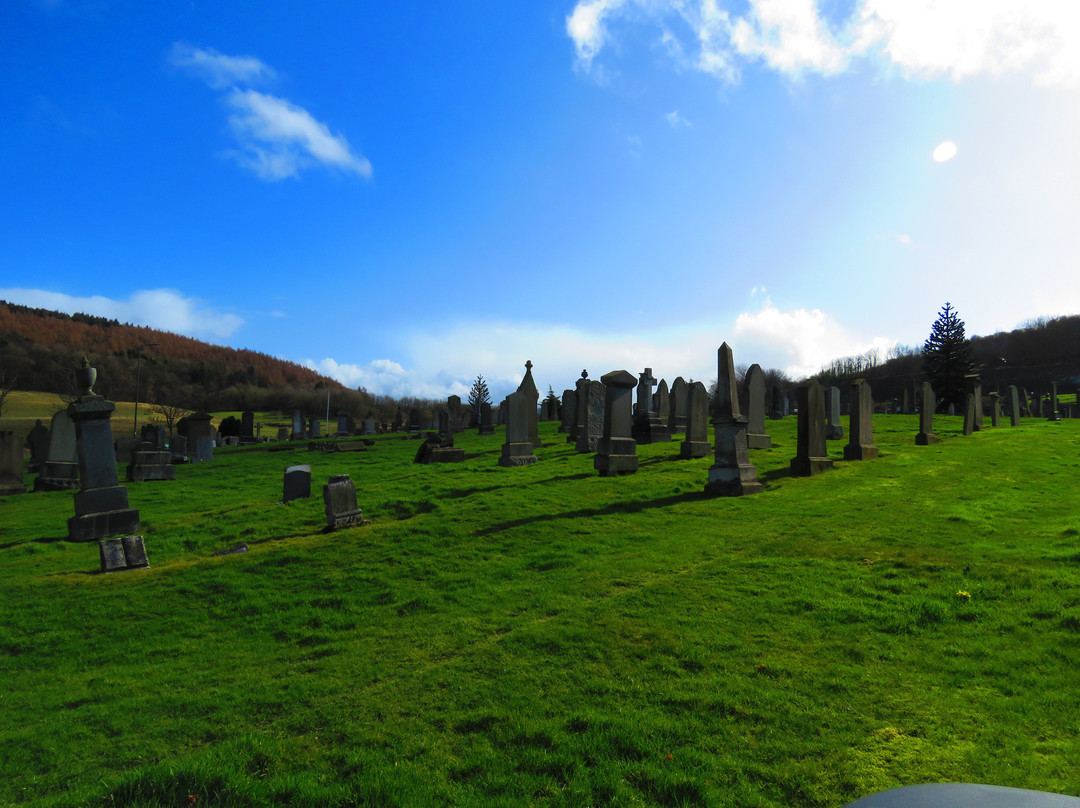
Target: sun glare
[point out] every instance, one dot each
(945, 152)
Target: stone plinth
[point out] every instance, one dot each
(811, 454)
(518, 449)
(616, 451)
(147, 463)
(731, 474)
(101, 504)
(861, 442)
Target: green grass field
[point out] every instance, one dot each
(542, 636)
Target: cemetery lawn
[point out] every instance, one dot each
(542, 636)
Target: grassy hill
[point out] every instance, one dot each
(542, 636)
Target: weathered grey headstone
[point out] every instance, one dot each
(439, 447)
(369, 426)
(647, 426)
(677, 406)
(518, 449)
(731, 474)
(833, 429)
(343, 430)
(196, 425)
(568, 416)
(662, 403)
(11, 464)
(179, 449)
(975, 382)
(247, 428)
(486, 427)
(926, 434)
(297, 483)
(415, 427)
(38, 441)
(101, 504)
(453, 409)
(1014, 406)
(339, 500)
(905, 403)
(504, 409)
(811, 454)
(124, 447)
(755, 416)
(154, 434)
(616, 451)
(529, 390)
(125, 553)
(1053, 414)
(591, 398)
(860, 424)
(696, 443)
(60, 471)
(150, 463)
(298, 432)
(314, 428)
(776, 411)
(204, 449)
(969, 414)
(995, 409)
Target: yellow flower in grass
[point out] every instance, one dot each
(963, 595)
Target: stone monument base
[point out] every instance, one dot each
(94, 526)
(809, 466)
(833, 432)
(694, 448)
(612, 465)
(925, 438)
(517, 454)
(650, 429)
(452, 454)
(860, 452)
(758, 441)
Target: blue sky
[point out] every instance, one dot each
(406, 195)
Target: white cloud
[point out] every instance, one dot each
(798, 341)
(218, 70)
(676, 121)
(278, 138)
(955, 39)
(163, 309)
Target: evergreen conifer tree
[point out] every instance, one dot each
(478, 395)
(947, 359)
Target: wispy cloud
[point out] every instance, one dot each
(164, 309)
(676, 121)
(218, 70)
(957, 40)
(276, 138)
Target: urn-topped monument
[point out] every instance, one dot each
(101, 505)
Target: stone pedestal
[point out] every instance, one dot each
(732, 475)
(518, 449)
(615, 456)
(147, 463)
(811, 456)
(101, 505)
(616, 451)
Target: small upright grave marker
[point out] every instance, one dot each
(616, 451)
(1014, 406)
(125, 553)
(926, 434)
(833, 429)
(755, 417)
(297, 483)
(339, 499)
(696, 426)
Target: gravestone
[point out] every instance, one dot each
(731, 474)
(696, 427)
(1053, 414)
(314, 428)
(616, 451)
(61, 469)
(298, 432)
(343, 430)
(282, 434)
(247, 428)
(339, 500)
(503, 410)
(101, 504)
(662, 404)
(860, 424)
(204, 449)
(926, 434)
(529, 390)
(195, 426)
(178, 449)
(579, 403)
(969, 414)
(124, 447)
(154, 435)
(647, 426)
(453, 408)
(38, 441)
(414, 427)
(439, 448)
(976, 390)
(11, 464)
(568, 416)
(833, 429)
(677, 406)
(126, 553)
(486, 427)
(1025, 403)
(786, 409)
(297, 484)
(1014, 406)
(995, 409)
(905, 405)
(776, 411)
(811, 454)
(591, 397)
(369, 426)
(150, 463)
(518, 449)
(755, 416)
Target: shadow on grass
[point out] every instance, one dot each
(53, 540)
(585, 513)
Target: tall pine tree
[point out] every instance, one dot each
(947, 359)
(478, 395)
